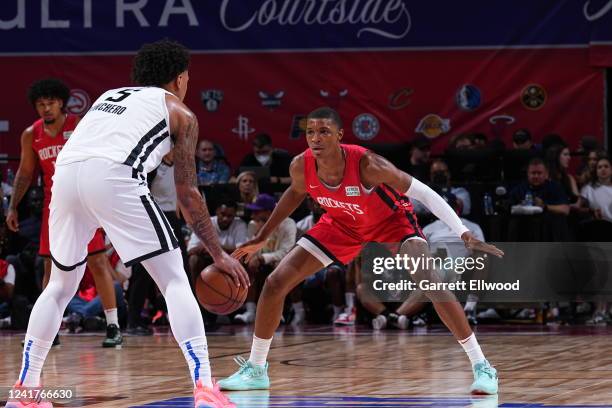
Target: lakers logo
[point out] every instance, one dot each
(433, 126)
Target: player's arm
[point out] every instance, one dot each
(289, 201)
(23, 178)
(376, 170)
(184, 127)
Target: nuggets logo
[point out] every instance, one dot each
(468, 98)
(366, 126)
(533, 97)
(433, 126)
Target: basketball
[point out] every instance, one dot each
(217, 292)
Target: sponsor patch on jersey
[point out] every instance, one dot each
(67, 134)
(271, 100)
(533, 97)
(352, 191)
(366, 126)
(433, 126)
(468, 97)
(211, 98)
(79, 102)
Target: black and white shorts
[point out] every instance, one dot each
(96, 193)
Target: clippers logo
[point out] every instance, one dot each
(271, 101)
(79, 102)
(400, 98)
(211, 98)
(366, 126)
(433, 126)
(243, 130)
(533, 97)
(468, 98)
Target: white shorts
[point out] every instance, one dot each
(97, 193)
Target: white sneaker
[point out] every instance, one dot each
(245, 318)
(403, 322)
(488, 314)
(379, 322)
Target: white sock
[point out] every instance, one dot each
(111, 317)
(196, 353)
(471, 303)
(298, 307)
(472, 348)
(251, 307)
(259, 350)
(337, 311)
(34, 354)
(349, 299)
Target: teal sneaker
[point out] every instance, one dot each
(248, 377)
(485, 379)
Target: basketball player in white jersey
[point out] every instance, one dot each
(100, 182)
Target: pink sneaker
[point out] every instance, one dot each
(347, 319)
(205, 397)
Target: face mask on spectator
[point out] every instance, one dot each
(263, 159)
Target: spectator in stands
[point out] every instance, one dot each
(479, 140)
(261, 265)
(7, 281)
(587, 144)
(558, 161)
(420, 151)
(599, 191)
(521, 140)
(552, 139)
(248, 190)
(461, 142)
(210, 169)
(587, 167)
(546, 193)
(306, 223)
(440, 180)
(265, 155)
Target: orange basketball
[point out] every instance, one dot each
(217, 292)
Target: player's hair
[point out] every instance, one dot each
(325, 112)
(158, 63)
(49, 88)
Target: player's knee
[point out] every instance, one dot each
(97, 264)
(276, 285)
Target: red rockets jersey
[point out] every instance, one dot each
(350, 206)
(47, 148)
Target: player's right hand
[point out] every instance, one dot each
(249, 249)
(234, 268)
(12, 220)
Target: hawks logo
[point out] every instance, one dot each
(433, 126)
(211, 98)
(271, 101)
(533, 97)
(79, 102)
(366, 126)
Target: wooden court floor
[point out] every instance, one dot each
(319, 366)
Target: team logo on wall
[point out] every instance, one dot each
(243, 130)
(533, 97)
(366, 126)
(211, 98)
(272, 100)
(433, 126)
(400, 98)
(468, 97)
(298, 127)
(4, 125)
(79, 102)
(334, 99)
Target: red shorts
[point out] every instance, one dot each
(95, 245)
(331, 242)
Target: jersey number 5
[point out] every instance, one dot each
(124, 93)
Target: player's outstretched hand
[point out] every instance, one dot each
(249, 249)
(473, 243)
(234, 268)
(12, 220)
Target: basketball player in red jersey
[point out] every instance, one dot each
(41, 143)
(366, 200)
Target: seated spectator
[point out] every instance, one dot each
(587, 167)
(232, 232)
(7, 281)
(263, 262)
(210, 170)
(420, 150)
(248, 190)
(265, 155)
(552, 139)
(521, 140)
(306, 223)
(599, 191)
(479, 140)
(440, 180)
(461, 142)
(558, 161)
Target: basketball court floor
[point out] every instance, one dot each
(322, 366)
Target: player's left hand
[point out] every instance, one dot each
(474, 244)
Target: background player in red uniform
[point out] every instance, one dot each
(365, 198)
(40, 144)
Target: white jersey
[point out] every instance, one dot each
(126, 125)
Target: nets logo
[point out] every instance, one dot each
(211, 98)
